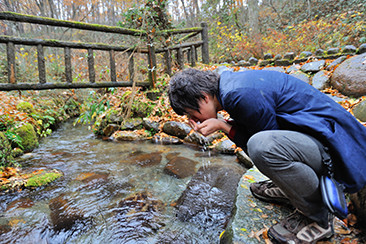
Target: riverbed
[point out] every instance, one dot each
(104, 196)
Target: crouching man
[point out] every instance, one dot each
(288, 128)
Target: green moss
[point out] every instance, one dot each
(5, 151)
(17, 152)
(25, 107)
(43, 179)
(28, 135)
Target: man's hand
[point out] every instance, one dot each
(209, 126)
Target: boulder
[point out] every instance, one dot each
(253, 61)
(268, 56)
(196, 138)
(313, 66)
(362, 48)
(132, 124)
(320, 80)
(221, 69)
(180, 167)
(333, 50)
(301, 75)
(243, 158)
(360, 111)
(350, 76)
(28, 136)
(209, 197)
(336, 62)
(289, 56)
(127, 135)
(110, 129)
(177, 129)
(165, 139)
(349, 49)
(225, 147)
(150, 125)
(319, 52)
(305, 54)
(293, 68)
(279, 69)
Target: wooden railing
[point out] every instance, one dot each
(149, 49)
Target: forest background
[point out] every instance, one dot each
(238, 29)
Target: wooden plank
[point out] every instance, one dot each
(91, 68)
(176, 47)
(41, 64)
(46, 86)
(66, 23)
(10, 50)
(68, 65)
(112, 62)
(56, 43)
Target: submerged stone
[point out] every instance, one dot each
(138, 216)
(143, 159)
(209, 197)
(180, 167)
(64, 216)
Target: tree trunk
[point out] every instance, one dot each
(253, 14)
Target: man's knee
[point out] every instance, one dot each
(260, 144)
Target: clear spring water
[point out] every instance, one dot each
(88, 208)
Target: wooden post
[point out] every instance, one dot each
(193, 56)
(168, 62)
(204, 36)
(10, 50)
(152, 63)
(68, 67)
(180, 58)
(112, 62)
(131, 66)
(91, 65)
(41, 64)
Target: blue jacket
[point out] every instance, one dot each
(267, 100)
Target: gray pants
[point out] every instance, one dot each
(293, 161)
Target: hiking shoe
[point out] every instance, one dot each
(269, 192)
(299, 229)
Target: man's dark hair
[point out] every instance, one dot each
(186, 88)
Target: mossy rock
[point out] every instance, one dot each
(5, 151)
(25, 107)
(43, 179)
(28, 136)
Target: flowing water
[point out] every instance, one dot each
(103, 197)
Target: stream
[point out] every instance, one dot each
(103, 196)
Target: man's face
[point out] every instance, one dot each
(206, 111)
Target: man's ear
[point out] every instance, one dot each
(207, 97)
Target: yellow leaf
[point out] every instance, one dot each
(221, 234)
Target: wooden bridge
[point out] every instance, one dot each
(150, 50)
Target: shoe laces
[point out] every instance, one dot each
(295, 221)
